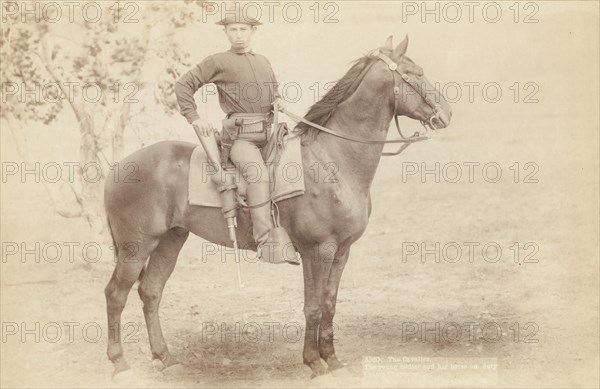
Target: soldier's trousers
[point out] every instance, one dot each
(247, 157)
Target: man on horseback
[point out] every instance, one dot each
(247, 90)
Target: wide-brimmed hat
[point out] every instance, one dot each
(231, 19)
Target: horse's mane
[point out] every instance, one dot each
(321, 111)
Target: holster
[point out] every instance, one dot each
(231, 131)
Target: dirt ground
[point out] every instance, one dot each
(553, 302)
(534, 316)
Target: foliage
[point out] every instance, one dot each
(93, 68)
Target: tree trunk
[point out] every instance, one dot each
(119, 132)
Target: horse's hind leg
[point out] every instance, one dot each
(161, 265)
(131, 257)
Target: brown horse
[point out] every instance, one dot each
(152, 218)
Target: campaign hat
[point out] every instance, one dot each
(237, 18)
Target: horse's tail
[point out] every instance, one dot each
(112, 238)
(141, 276)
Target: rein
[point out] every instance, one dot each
(407, 141)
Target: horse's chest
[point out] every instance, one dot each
(327, 212)
(348, 211)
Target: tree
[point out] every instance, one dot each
(93, 68)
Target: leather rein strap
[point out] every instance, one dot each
(407, 141)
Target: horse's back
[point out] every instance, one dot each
(164, 151)
(149, 183)
(149, 161)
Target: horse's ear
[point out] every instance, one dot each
(400, 50)
(388, 43)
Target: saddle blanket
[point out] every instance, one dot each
(287, 177)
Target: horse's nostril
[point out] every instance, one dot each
(445, 117)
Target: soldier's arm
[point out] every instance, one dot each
(278, 98)
(188, 85)
(276, 95)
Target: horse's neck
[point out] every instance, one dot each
(366, 115)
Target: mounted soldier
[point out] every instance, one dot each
(248, 94)
(158, 215)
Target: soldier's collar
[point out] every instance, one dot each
(241, 51)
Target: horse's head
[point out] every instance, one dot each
(414, 96)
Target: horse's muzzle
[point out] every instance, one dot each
(442, 119)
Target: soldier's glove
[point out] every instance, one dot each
(203, 127)
(280, 104)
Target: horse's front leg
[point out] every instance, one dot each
(316, 261)
(328, 302)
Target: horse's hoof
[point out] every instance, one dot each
(331, 380)
(334, 364)
(340, 372)
(174, 369)
(125, 378)
(317, 369)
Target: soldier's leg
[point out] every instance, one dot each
(274, 244)
(247, 158)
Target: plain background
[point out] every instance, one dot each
(559, 213)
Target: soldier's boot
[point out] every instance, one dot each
(274, 244)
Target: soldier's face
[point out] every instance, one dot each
(239, 34)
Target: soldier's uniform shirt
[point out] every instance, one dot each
(245, 83)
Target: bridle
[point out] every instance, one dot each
(406, 140)
(429, 123)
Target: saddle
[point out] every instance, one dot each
(254, 127)
(282, 155)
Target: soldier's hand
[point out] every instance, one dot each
(203, 127)
(280, 104)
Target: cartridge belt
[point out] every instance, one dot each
(253, 123)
